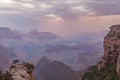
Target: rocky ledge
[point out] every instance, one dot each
(109, 66)
(112, 48)
(21, 71)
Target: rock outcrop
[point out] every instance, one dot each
(109, 66)
(21, 71)
(112, 48)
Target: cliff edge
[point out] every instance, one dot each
(21, 71)
(109, 66)
(112, 48)
(18, 71)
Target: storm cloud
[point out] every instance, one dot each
(64, 9)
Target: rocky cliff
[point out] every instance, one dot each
(18, 71)
(109, 66)
(112, 48)
(21, 71)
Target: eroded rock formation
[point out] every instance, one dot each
(109, 66)
(112, 48)
(21, 71)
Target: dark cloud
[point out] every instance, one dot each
(104, 7)
(64, 8)
(65, 11)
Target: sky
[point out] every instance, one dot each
(62, 17)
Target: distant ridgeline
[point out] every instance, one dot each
(18, 71)
(109, 66)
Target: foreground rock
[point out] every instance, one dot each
(109, 66)
(112, 48)
(21, 71)
(18, 71)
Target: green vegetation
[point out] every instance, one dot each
(106, 73)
